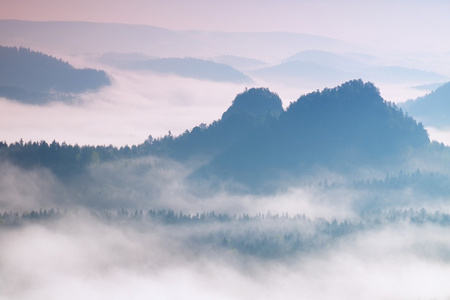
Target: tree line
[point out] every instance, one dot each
(267, 236)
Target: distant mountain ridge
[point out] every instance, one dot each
(319, 65)
(432, 109)
(34, 77)
(86, 37)
(240, 63)
(185, 67)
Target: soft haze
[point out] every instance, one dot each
(364, 227)
(410, 34)
(394, 25)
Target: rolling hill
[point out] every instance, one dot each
(185, 67)
(343, 129)
(330, 67)
(33, 77)
(432, 109)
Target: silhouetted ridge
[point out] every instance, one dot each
(250, 110)
(187, 67)
(258, 102)
(342, 129)
(353, 118)
(34, 77)
(432, 109)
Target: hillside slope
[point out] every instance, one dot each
(32, 77)
(432, 109)
(341, 129)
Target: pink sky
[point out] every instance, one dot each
(423, 25)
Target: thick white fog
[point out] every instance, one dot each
(134, 107)
(80, 257)
(441, 135)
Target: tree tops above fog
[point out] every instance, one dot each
(32, 77)
(258, 102)
(343, 128)
(267, 236)
(352, 115)
(256, 141)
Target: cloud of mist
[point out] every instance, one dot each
(94, 260)
(160, 183)
(135, 106)
(441, 135)
(23, 190)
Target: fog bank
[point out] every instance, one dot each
(93, 260)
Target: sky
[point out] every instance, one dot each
(422, 25)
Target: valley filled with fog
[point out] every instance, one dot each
(127, 257)
(169, 164)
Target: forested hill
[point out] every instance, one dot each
(34, 77)
(250, 111)
(353, 118)
(432, 109)
(342, 129)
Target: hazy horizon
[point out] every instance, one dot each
(410, 34)
(341, 196)
(389, 25)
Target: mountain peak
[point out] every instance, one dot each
(258, 102)
(355, 92)
(354, 113)
(343, 129)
